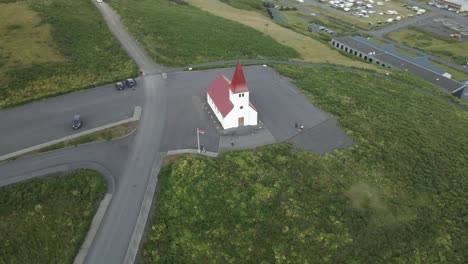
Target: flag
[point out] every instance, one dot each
(200, 131)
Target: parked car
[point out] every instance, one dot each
(119, 85)
(131, 83)
(77, 122)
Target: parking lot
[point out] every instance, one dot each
(377, 11)
(278, 103)
(443, 27)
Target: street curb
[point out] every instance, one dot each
(142, 219)
(97, 219)
(136, 117)
(192, 151)
(93, 229)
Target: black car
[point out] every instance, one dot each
(130, 83)
(119, 86)
(77, 122)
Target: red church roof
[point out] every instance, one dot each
(219, 93)
(238, 84)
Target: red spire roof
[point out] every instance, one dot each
(238, 84)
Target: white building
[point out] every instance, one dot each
(456, 5)
(230, 100)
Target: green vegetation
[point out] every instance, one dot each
(176, 34)
(106, 134)
(407, 53)
(399, 198)
(300, 22)
(347, 18)
(246, 4)
(46, 220)
(51, 47)
(277, 16)
(446, 48)
(456, 74)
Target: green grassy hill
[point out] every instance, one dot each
(177, 34)
(46, 220)
(398, 196)
(51, 47)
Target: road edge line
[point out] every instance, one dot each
(145, 209)
(136, 117)
(192, 151)
(95, 224)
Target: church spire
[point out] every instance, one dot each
(238, 84)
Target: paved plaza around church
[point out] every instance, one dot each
(280, 106)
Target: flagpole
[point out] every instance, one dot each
(198, 140)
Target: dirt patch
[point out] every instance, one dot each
(24, 39)
(309, 49)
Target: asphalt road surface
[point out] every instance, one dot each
(32, 124)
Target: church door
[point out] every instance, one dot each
(241, 121)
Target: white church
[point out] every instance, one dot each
(229, 100)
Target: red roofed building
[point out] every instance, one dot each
(230, 102)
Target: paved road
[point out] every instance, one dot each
(108, 155)
(42, 121)
(113, 238)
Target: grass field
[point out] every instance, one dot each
(300, 22)
(400, 198)
(46, 220)
(51, 47)
(246, 4)
(456, 74)
(310, 50)
(179, 35)
(446, 48)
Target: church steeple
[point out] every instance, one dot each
(238, 83)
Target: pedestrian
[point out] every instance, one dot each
(295, 125)
(232, 143)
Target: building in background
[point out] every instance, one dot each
(387, 56)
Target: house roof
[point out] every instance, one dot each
(238, 84)
(219, 93)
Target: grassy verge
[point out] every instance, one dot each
(246, 4)
(310, 50)
(407, 53)
(400, 198)
(446, 48)
(46, 220)
(107, 134)
(52, 47)
(456, 74)
(177, 35)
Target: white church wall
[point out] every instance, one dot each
(232, 119)
(215, 110)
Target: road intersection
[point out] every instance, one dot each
(130, 165)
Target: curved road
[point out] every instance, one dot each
(132, 161)
(115, 234)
